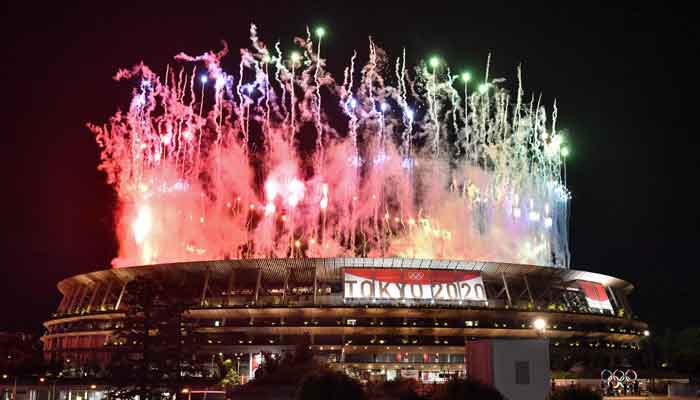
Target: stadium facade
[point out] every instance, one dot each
(377, 318)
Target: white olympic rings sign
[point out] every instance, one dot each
(618, 378)
(416, 276)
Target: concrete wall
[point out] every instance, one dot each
(531, 357)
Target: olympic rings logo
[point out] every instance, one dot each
(618, 378)
(416, 276)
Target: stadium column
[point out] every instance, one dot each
(80, 293)
(258, 282)
(286, 285)
(230, 287)
(529, 292)
(64, 301)
(121, 296)
(403, 280)
(612, 296)
(315, 282)
(285, 288)
(205, 288)
(505, 286)
(107, 291)
(94, 295)
(229, 290)
(74, 293)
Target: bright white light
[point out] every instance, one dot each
(269, 209)
(139, 100)
(352, 103)
(271, 189)
(539, 324)
(534, 216)
(296, 192)
(220, 81)
(548, 222)
(355, 161)
(385, 107)
(556, 141)
(142, 224)
(647, 333)
(324, 199)
(381, 158)
(204, 79)
(409, 113)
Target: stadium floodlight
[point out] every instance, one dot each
(539, 324)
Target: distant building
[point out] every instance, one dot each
(19, 351)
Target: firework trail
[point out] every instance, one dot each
(280, 160)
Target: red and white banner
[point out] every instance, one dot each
(413, 284)
(255, 361)
(596, 297)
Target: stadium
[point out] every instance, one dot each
(376, 318)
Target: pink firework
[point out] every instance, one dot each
(279, 159)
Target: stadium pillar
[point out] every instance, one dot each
(257, 285)
(612, 296)
(529, 292)
(205, 288)
(94, 295)
(76, 296)
(230, 287)
(315, 283)
(505, 286)
(121, 296)
(286, 286)
(64, 300)
(104, 298)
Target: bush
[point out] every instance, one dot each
(329, 384)
(460, 389)
(398, 389)
(576, 393)
(563, 375)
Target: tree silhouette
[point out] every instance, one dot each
(154, 346)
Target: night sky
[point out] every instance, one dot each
(623, 79)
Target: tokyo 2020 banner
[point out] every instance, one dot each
(413, 284)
